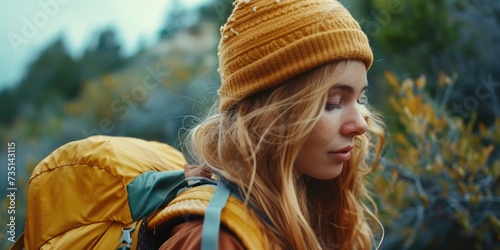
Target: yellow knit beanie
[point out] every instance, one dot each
(266, 42)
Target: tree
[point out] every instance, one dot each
(102, 56)
(52, 76)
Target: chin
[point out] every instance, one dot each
(327, 174)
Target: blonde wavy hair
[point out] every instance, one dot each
(254, 145)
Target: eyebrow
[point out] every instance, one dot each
(347, 88)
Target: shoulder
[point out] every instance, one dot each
(187, 235)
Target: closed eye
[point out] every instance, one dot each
(332, 106)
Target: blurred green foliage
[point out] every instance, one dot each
(414, 37)
(438, 185)
(55, 77)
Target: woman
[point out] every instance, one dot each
(292, 130)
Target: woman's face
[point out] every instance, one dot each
(330, 143)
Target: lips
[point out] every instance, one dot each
(343, 154)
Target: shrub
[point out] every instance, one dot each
(439, 186)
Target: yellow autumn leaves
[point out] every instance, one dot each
(437, 163)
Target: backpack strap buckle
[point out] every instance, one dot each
(126, 240)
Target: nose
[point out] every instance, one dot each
(355, 124)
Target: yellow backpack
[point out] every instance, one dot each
(108, 192)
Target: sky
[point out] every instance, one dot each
(26, 27)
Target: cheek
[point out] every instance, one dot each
(324, 131)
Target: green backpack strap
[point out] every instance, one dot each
(211, 220)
